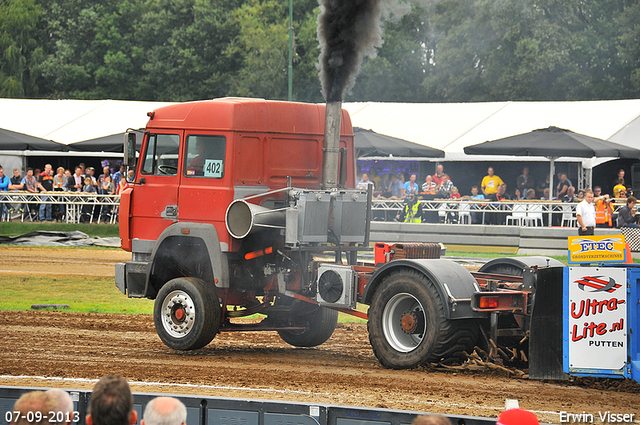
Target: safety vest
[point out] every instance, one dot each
(410, 213)
(604, 211)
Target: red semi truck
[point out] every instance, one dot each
(229, 217)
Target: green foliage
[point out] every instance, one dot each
(515, 49)
(20, 54)
(396, 73)
(262, 42)
(444, 50)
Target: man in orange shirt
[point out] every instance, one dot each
(604, 210)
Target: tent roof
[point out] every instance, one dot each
(11, 140)
(446, 126)
(368, 143)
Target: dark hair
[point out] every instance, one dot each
(29, 169)
(111, 401)
(631, 199)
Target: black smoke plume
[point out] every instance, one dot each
(347, 31)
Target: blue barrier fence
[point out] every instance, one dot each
(233, 411)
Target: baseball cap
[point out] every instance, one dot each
(517, 417)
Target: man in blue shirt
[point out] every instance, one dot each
(396, 186)
(4, 186)
(411, 187)
(476, 197)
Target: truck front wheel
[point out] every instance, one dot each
(407, 323)
(186, 314)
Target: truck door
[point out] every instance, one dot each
(205, 182)
(155, 198)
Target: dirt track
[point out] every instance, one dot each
(41, 347)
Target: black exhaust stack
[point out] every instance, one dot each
(347, 31)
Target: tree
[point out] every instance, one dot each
(519, 50)
(185, 43)
(20, 56)
(91, 51)
(397, 72)
(262, 42)
(629, 48)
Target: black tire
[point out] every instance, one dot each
(408, 327)
(186, 314)
(321, 323)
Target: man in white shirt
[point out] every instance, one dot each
(586, 214)
(365, 182)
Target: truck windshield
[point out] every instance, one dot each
(205, 156)
(161, 155)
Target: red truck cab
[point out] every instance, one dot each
(197, 157)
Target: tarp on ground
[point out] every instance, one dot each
(75, 238)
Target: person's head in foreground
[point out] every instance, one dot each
(431, 420)
(38, 403)
(111, 403)
(164, 411)
(517, 417)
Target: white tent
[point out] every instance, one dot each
(452, 126)
(446, 126)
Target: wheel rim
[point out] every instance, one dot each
(403, 321)
(178, 314)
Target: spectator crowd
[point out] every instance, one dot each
(37, 181)
(440, 186)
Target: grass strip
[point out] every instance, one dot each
(86, 295)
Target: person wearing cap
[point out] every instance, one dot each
(517, 417)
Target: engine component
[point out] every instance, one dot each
(336, 286)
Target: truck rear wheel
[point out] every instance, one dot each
(186, 314)
(407, 323)
(321, 323)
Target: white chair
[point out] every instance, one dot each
(442, 212)
(568, 219)
(534, 215)
(518, 214)
(464, 213)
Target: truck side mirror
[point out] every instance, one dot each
(129, 149)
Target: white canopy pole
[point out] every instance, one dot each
(552, 172)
